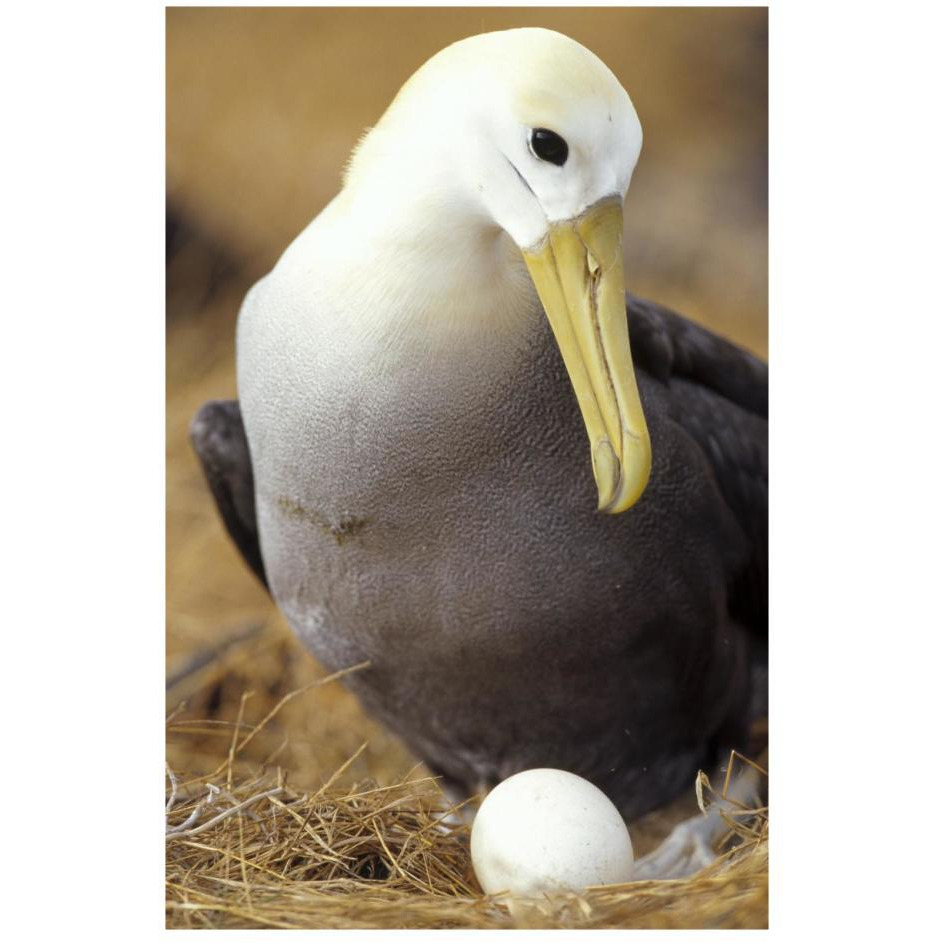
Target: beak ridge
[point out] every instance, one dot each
(578, 274)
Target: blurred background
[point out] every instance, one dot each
(263, 108)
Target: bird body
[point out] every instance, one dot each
(422, 496)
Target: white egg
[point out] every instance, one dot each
(546, 831)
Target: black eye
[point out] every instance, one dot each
(548, 145)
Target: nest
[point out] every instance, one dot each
(251, 851)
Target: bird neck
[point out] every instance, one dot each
(421, 268)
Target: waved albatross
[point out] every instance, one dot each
(418, 376)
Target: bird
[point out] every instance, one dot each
(534, 505)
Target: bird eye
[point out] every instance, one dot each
(549, 146)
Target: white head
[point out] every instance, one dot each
(506, 148)
(465, 123)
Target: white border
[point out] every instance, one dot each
(855, 352)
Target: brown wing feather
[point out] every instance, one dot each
(718, 393)
(219, 440)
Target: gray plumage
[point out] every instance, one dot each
(441, 525)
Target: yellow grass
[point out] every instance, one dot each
(256, 851)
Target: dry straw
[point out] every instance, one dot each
(252, 851)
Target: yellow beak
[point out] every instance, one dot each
(577, 271)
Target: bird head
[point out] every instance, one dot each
(527, 133)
